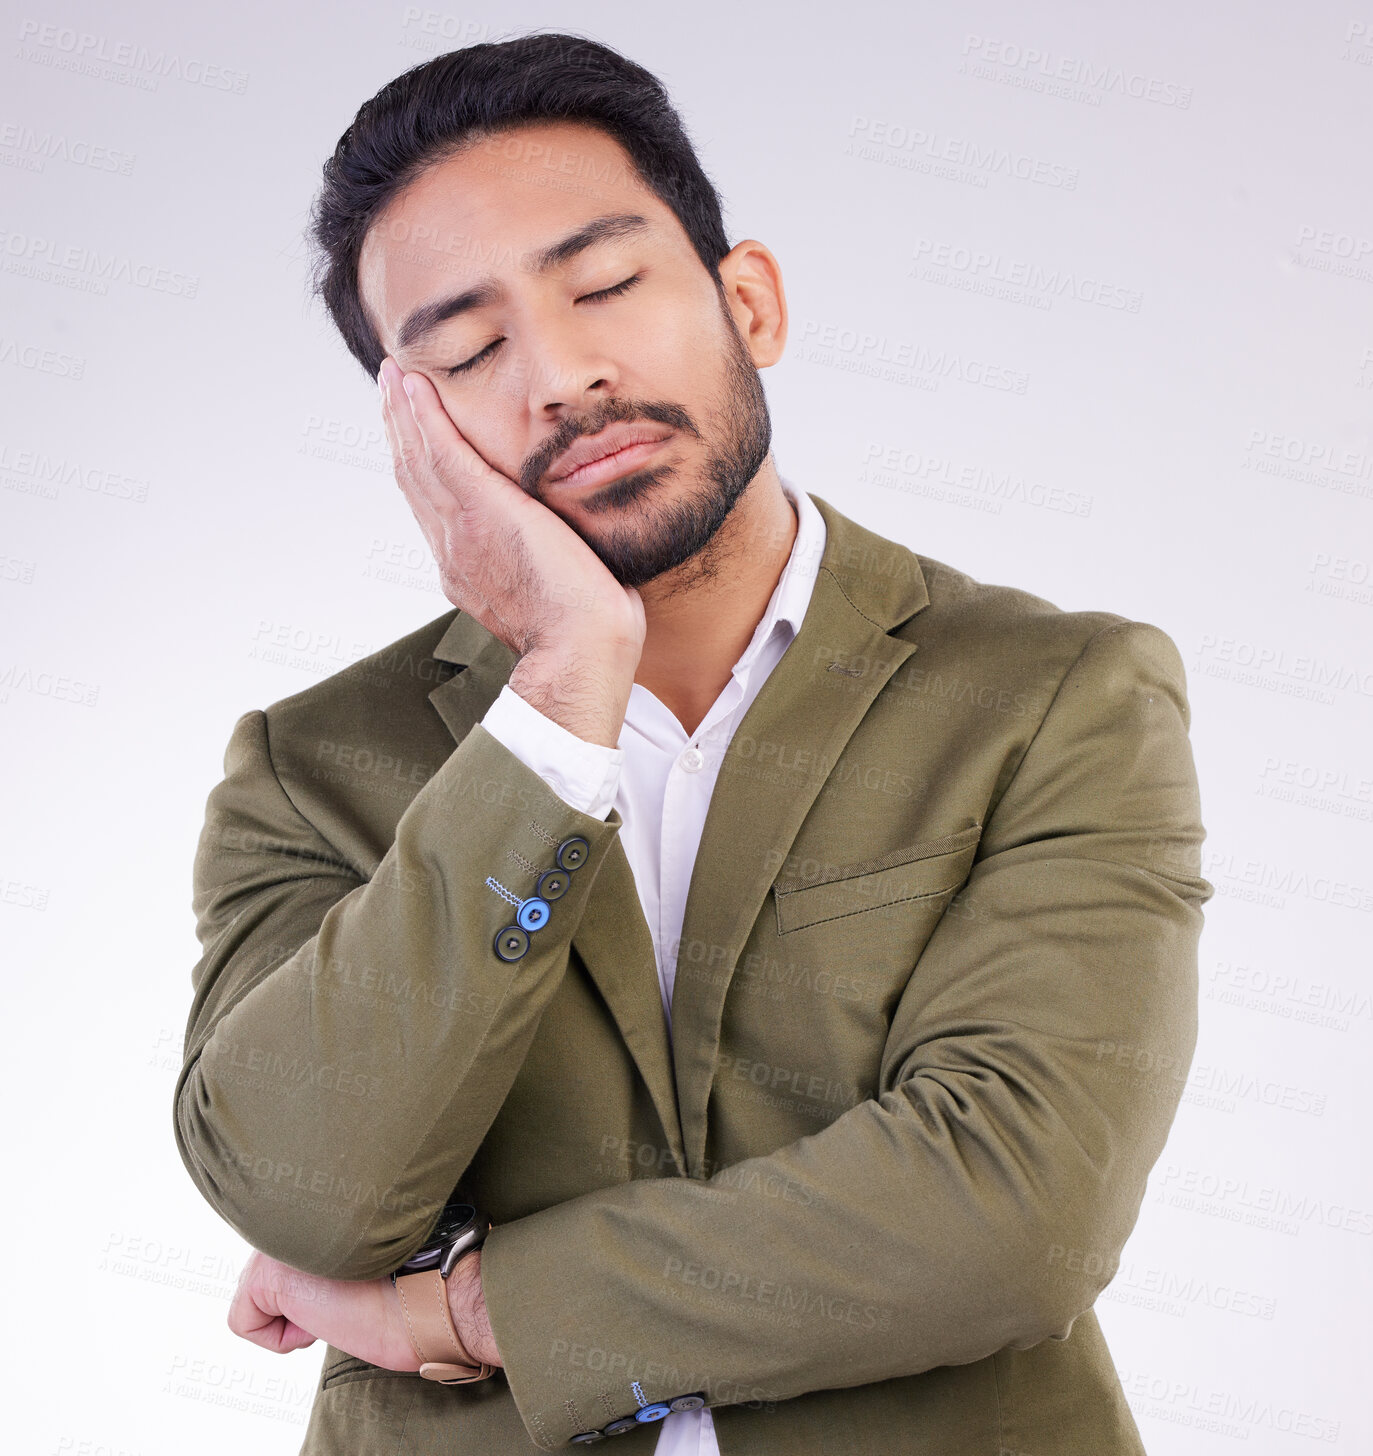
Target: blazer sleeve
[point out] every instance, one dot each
(981, 1198)
(352, 1039)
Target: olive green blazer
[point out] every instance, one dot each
(946, 905)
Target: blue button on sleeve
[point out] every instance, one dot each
(585, 775)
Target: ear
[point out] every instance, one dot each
(757, 301)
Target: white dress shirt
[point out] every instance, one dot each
(661, 780)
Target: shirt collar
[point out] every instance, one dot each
(787, 606)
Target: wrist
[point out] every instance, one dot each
(467, 1306)
(585, 692)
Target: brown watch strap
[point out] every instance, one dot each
(443, 1356)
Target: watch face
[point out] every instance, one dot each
(454, 1218)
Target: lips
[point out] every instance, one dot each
(609, 441)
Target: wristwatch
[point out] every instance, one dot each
(422, 1285)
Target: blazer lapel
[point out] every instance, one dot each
(804, 715)
(613, 938)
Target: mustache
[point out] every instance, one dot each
(612, 412)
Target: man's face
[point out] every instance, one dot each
(541, 355)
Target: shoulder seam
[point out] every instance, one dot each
(1100, 632)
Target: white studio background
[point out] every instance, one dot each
(1081, 302)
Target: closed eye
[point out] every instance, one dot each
(611, 292)
(614, 289)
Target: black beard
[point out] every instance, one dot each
(666, 534)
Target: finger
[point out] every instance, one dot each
(255, 1316)
(441, 473)
(454, 463)
(279, 1335)
(402, 433)
(295, 1338)
(411, 452)
(452, 458)
(246, 1315)
(451, 472)
(426, 496)
(397, 417)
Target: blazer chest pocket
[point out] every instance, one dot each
(921, 871)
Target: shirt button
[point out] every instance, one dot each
(692, 759)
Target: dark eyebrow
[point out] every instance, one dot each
(428, 316)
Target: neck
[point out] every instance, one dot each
(700, 616)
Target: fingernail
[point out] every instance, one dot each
(409, 386)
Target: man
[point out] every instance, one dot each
(757, 922)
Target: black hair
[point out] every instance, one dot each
(435, 109)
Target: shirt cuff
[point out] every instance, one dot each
(585, 775)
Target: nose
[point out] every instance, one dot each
(569, 370)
